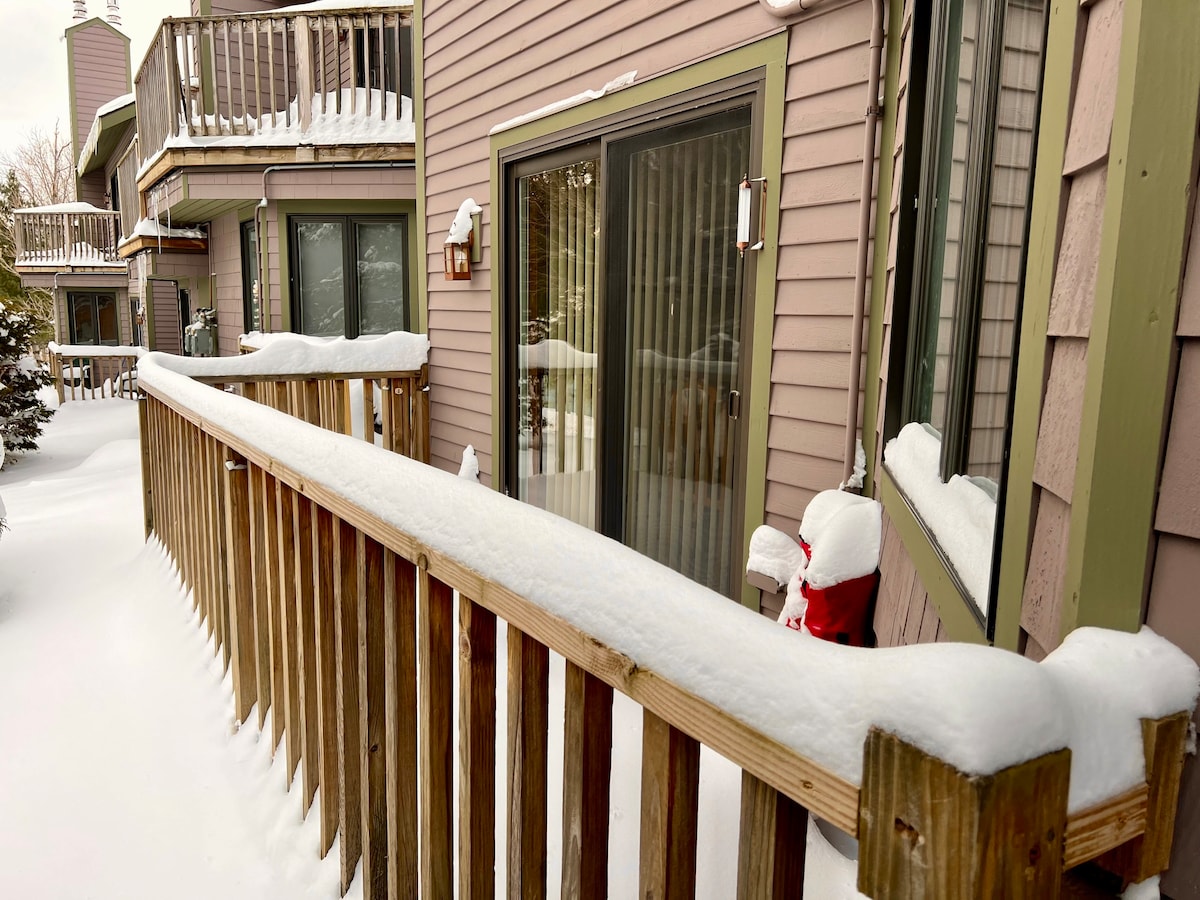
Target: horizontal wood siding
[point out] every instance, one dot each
(484, 65)
(225, 255)
(168, 335)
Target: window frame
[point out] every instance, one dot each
(351, 311)
(917, 218)
(92, 297)
(250, 271)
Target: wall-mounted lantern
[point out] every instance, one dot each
(460, 251)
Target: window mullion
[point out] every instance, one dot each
(969, 282)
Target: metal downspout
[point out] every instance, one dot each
(874, 108)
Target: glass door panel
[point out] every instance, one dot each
(381, 277)
(320, 260)
(683, 302)
(556, 364)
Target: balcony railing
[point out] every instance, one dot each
(331, 575)
(71, 234)
(278, 79)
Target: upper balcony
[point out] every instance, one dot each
(278, 87)
(67, 237)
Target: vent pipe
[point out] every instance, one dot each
(114, 12)
(80, 11)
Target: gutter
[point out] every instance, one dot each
(873, 112)
(264, 305)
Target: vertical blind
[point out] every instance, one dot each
(683, 329)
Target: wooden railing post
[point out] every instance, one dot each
(477, 753)
(1165, 743)
(927, 830)
(400, 676)
(528, 723)
(345, 632)
(670, 798)
(304, 72)
(435, 650)
(372, 721)
(243, 650)
(771, 849)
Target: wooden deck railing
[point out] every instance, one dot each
(223, 76)
(341, 622)
(66, 238)
(84, 372)
(130, 199)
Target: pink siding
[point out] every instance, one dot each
(225, 253)
(533, 52)
(100, 74)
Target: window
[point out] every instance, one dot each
(251, 319)
(94, 319)
(976, 172)
(623, 381)
(374, 299)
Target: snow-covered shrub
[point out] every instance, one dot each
(21, 412)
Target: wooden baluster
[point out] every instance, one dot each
(288, 631)
(243, 643)
(372, 721)
(245, 106)
(213, 102)
(345, 624)
(477, 750)
(368, 410)
(400, 679)
(259, 560)
(670, 795)
(326, 675)
(146, 442)
(388, 398)
(927, 830)
(587, 762)
(231, 128)
(528, 725)
(254, 29)
(275, 631)
(435, 645)
(304, 72)
(220, 550)
(311, 401)
(772, 843)
(306, 650)
(271, 83)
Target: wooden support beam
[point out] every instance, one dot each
(1165, 743)
(400, 677)
(345, 625)
(435, 649)
(670, 797)
(240, 586)
(927, 830)
(587, 764)
(372, 722)
(528, 726)
(771, 848)
(477, 751)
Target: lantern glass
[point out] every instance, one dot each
(458, 261)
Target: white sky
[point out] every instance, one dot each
(33, 57)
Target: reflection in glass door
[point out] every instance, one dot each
(683, 297)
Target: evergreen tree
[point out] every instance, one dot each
(21, 412)
(34, 302)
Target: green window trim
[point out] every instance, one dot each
(768, 56)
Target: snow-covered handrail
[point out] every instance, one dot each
(81, 371)
(811, 723)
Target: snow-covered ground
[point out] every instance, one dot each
(122, 772)
(121, 775)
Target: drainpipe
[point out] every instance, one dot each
(264, 305)
(874, 109)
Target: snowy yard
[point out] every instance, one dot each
(121, 775)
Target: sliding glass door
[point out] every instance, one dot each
(627, 306)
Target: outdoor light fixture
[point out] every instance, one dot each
(459, 249)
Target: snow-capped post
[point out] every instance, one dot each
(928, 830)
(458, 250)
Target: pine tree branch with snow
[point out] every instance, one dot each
(22, 413)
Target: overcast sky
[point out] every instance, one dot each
(33, 57)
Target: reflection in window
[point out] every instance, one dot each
(94, 319)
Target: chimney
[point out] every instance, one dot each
(114, 12)
(80, 11)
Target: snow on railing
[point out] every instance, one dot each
(83, 371)
(283, 531)
(67, 235)
(335, 74)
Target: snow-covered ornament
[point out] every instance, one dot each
(460, 241)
